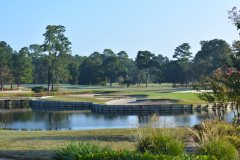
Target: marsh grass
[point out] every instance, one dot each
(159, 137)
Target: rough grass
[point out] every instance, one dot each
(41, 144)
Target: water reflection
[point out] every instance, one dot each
(27, 119)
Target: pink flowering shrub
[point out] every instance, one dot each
(234, 16)
(225, 86)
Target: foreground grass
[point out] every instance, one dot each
(41, 144)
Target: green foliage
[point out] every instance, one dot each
(216, 138)
(58, 48)
(213, 55)
(22, 66)
(224, 83)
(128, 82)
(146, 60)
(221, 149)
(39, 89)
(138, 156)
(235, 140)
(156, 140)
(183, 56)
(112, 68)
(160, 144)
(92, 151)
(5, 64)
(73, 150)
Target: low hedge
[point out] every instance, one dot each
(139, 156)
(128, 155)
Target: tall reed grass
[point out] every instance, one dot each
(159, 137)
(211, 137)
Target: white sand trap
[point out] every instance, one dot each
(194, 91)
(133, 101)
(84, 95)
(15, 91)
(104, 98)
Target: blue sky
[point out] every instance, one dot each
(158, 26)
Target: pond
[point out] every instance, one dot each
(28, 119)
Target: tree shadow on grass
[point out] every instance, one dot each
(26, 154)
(105, 138)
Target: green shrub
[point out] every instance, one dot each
(92, 151)
(126, 155)
(39, 89)
(158, 137)
(74, 150)
(160, 144)
(235, 141)
(221, 149)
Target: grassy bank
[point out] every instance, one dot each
(41, 144)
(213, 138)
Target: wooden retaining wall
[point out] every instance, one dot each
(55, 105)
(60, 105)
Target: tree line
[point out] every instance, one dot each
(52, 63)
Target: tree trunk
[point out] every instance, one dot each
(49, 83)
(11, 86)
(53, 81)
(52, 86)
(146, 79)
(110, 80)
(18, 83)
(2, 84)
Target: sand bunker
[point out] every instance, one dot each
(134, 101)
(15, 91)
(84, 95)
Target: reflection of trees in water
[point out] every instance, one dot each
(108, 116)
(13, 116)
(143, 120)
(53, 120)
(1, 104)
(15, 104)
(204, 114)
(66, 120)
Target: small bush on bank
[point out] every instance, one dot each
(91, 151)
(73, 150)
(115, 155)
(39, 89)
(160, 144)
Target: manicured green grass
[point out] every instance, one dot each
(154, 91)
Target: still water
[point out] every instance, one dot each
(28, 119)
